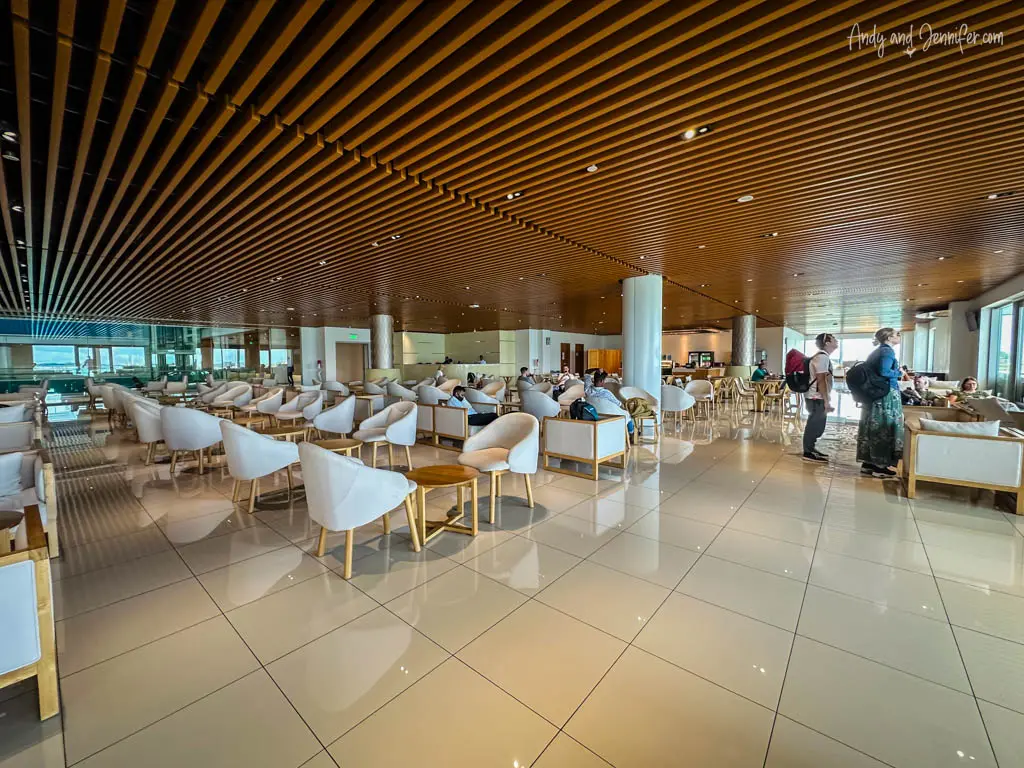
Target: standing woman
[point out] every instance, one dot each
(880, 436)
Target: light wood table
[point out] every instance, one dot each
(369, 401)
(445, 476)
(343, 445)
(762, 388)
(252, 421)
(285, 433)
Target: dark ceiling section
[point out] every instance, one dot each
(307, 162)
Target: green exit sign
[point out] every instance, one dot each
(354, 336)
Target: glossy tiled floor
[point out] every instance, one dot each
(724, 605)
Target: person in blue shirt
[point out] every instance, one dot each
(761, 372)
(458, 400)
(880, 434)
(594, 389)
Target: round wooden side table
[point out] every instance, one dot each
(445, 476)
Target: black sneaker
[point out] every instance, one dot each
(872, 471)
(814, 456)
(820, 455)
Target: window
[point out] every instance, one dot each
(1002, 351)
(128, 357)
(54, 358)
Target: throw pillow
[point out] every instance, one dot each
(12, 414)
(10, 474)
(987, 428)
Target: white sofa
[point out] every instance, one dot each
(586, 442)
(36, 488)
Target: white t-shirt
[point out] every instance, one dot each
(819, 364)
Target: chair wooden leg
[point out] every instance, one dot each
(408, 457)
(321, 544)
(200, 461)
(492, 493)
(529, 491)
(291, 480)
(475, 500)
(350, 536)
(413, 528)
(53, 538)
(174, 460)
(499, 483)
(254, 489)
(234, 490)
(373, 462)
(150, 453)
(391, 456)
(386, 520)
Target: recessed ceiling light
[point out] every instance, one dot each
(396, 237)
(744, 199)
(942, 258)
(323, 263)
(513, 195)
(689, 133)
(522, 278)
(769, 234)
(467, 287)
(750, 279)
(959, 281)
(703, 129)
(735, 301)
(920, 285)
(290, 309)
(998, 195)
(702, 246)
(12, 157)
(797, 274)
(704, 285)
(19, 209)
(20, 242)
(245, 290)
(591, 168)
(9, 135)
(642, 258)
(999, 251)
(474, 306)
(375, 244)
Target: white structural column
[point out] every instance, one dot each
(313, 348)
(382, 332)
(641, 333)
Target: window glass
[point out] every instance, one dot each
(1002, 327)
(51, 357)
(129, 357)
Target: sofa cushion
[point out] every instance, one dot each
(10, 474)
(12, 413)
(370, 434)
(987, 428)
(486, 459)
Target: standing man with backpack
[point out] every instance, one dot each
(817, 399)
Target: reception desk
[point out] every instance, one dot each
(420, 371)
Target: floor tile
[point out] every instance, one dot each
(995, 666)
(892, 716)
(757, 594)
(899, 553)
(1001, 574)
(647, 712)
(510, 733)
(985, 545)
(892, 523)
(456, 607)
(323, 760)
(281, 622)
(984, 610)
(25, 740)
(573, 653)
(607, 512)
(565, 752)
(116, 698)
(678, 531)
(746, 656)
(896, 588)
(235, 585)
(902, 640)
(463, 548)
(99, 635)
(77, 530)
(795, 746)
(647, 559)
(96, 589)
(799, 502)
(571, 534)
(74, 561)
(775, 526)
(217, 552)
(524, 565)
(182, 532)
(706, 503)
(611, 601)
(247, 723)
(370, 661)
(636, 496)
(551, 499)
(765, 554)
(369, 540)
(1006, 730)
(388, 574)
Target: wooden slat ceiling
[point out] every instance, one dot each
(308, 162)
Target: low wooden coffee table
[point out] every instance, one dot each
(285, 433)
(343, 445)
(252, 421)
(444, 476)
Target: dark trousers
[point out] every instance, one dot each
(815, 426)
(481, 419)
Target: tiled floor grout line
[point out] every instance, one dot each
(956, 643)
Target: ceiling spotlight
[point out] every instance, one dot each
(9, 136)
(375, 244)
(689, 133)
(513, 195)
(323, 263)
(959, 281)
(703, 129)
(19, 209)
(942, 258)
(920, 285)
(467, 287)
(750, 279)
(12, 157)
(290, 309)
(522, 278)
(999, 251)
(744, 199)
(704, 285)
(20, 242)
(797, 274)
(769, 234)
(591, 168)
(999, 195)
(642, 258)
(245, 290)
(702, 247)
(396, 237)
(474, 306)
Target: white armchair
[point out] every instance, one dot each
(16, 412)
(267, 403)
(703, 393)
(482, 402)
(177, 387)
(540, 405)
(39, 390)
(17, 436)
(575, 392)
(372, 388)
(27, 643)
(428, 394)
(36, 487)
(187, 429)
(545, 387)
(295, 409)
(448, 385)
(251, 456)
(397, 392)
(395, 425)
(156, 386)
(508, 444)
(148, 425)
(237, 394)
(339, 419)
(343, 494)
(586, 442)
(495, 389)
(628, 393)
(212, 393)
(676, 401)
(337, 386)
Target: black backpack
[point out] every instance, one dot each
(865, 383)
(581, 409)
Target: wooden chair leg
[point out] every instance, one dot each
(413, 529)
(291, 480)
(321, 544)
(529, 491)
(421, 512)
(408, 457)
(150, 453)
(174, 460)
(200, 461)
(53, 538)
(391, 456)
(373, 462)
(492, 493)
(254, 489)
(234, 490)
(386, 520)
(350, 536)
(474, 516)
(460, 500)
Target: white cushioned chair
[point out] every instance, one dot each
(39, 390)
(188, 430)
(495, 389)
(628, 393)
(31, 483)
(448, 385)
(337, 387)
(575, 392)
(238, 394)
(177, 387)
(508, 444)
(17, 436)
(295, 409)
(482, 402)
(149, 427)
(540, 405)
(703, 393)
(428, 394)
(156, 386)
(395, 425)
(372, 388)
(12, 414)
(212, 393)
(675, 401)
(339, 419)
(397, 392)
(27, 642)
(267, 403)
(545, 387)
(251, 456)
(587, 442)
(343, 494)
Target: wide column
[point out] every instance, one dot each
(744, 337)
(641, 333)
(382, 336)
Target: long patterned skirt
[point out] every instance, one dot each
(880, 437)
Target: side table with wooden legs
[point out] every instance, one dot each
(445, 476)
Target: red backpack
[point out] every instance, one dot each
(798, 371)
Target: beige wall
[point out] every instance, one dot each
(468, 347)
(420, 347)
(680, 345)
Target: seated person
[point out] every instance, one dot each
(905, 374)
(968, 389)
(761, 372)
(481, 361)
(525, 376)
(597, 391)
(560, 380)
(471, 378)
(921, 385)
(458, 400)
(438, 377)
